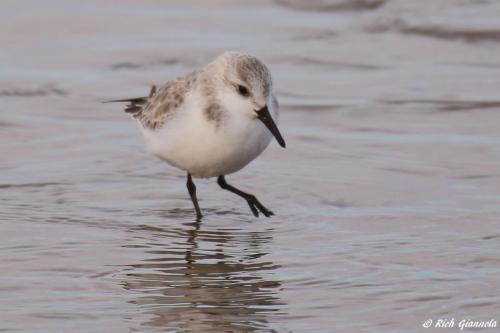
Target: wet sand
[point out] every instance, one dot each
(386, 198)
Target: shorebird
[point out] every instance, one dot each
(212, 121)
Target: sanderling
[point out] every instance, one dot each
(212, 121)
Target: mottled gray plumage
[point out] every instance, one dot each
(154, 110)
(162, 103)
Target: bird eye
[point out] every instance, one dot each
(243, 91)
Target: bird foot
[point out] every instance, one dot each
(256, 207)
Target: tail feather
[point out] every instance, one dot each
(130, 100)
(135, 104)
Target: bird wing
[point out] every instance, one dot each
(152, 111)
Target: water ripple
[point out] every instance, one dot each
(206, 282)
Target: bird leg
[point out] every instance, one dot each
(192, 193)
(255, 205)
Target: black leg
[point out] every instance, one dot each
(254, 204)
(192, 194)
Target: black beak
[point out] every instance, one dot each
(265, 117)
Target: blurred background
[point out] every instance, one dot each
(386, 198)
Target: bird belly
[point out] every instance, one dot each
(208, 149)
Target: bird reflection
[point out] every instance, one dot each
(198, 280)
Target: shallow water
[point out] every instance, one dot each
(386, 198)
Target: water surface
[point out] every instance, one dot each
(386, 198)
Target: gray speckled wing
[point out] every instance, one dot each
(154, 110)
(163, 103)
